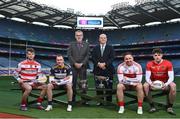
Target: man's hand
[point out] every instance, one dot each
(67, 78)
(53, 82)
(102, 65)
(134, 84)
(164, 87)
(20, 81)
(78, 65)
(151, 84)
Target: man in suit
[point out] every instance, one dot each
(78, 54)
(102, 57)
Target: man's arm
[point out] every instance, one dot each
(171, 78)
(147, 77)
(70, 57)
(94, 56)
(86, 58)
(51, 76)
(69, 73)
(120, 78)
(111, 56)
(148, 74)
(170, 74)
(139, 77)
(120, 74)
(16, 72)
(139, 73)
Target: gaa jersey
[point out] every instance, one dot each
(131, 72)
(60, 72)
(28, 70)
(159, 71)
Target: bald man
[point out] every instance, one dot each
(102, 57)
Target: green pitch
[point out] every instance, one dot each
(10, 99)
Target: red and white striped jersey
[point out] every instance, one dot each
(133, 72)
(28, 70)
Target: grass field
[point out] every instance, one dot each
(9, 103)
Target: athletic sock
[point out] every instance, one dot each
(23, 102)
(140, 103)
(49, 102)
(69, 102)
(121, 103)
(170, 105)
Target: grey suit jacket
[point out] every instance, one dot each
(78, 55)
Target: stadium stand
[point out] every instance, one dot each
(51, 41)
(48, 41)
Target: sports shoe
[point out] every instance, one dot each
(99, 104)
(85, 103)
(49, 107)
(140, 110)
(121, 110)
(170, 111)
(69, 108)
(23, 108)
(152, 110)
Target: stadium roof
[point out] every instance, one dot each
(121, 15)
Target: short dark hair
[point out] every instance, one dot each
(127, 53)
(157, 50)
(30, 50)
(59, 55)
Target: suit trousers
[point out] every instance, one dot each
(82, 75)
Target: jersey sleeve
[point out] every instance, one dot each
(148, 73)
(139, 70)
(17, 71)
(148, 66)
(170, 66)
(170, 74)
(39, 69)
(139, 73)
(69, 71)
(120, 74)
(52, 72)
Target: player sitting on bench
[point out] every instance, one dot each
(162, 70)
(129, 76)
(61, 75)
(27, 75)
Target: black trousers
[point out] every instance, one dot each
(82, 75)
(107, 85)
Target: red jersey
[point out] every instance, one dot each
(159, 71)
(28, 70)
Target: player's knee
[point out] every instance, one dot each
(173, 88)
(172, 85)
(28, 89)
(139, 86)
(44, 87)
(146, 86)
(49, 86)
(120, 86)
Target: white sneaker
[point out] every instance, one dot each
(140, 110)
(69, 108)
(49, 107)
(121, 110)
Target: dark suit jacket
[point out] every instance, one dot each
(108, 57)
(77, 55)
